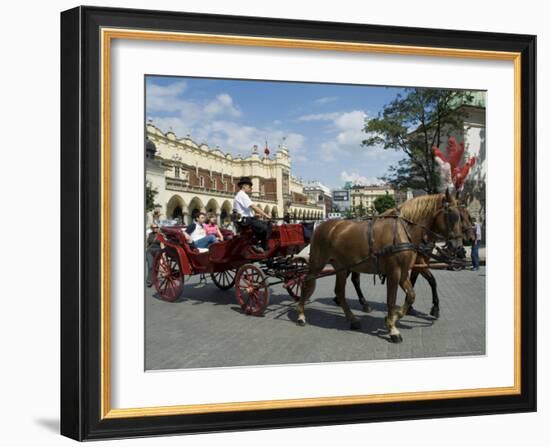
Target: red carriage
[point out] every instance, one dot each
(234, 263)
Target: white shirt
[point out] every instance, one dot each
(477, 228)
(198, 233)
(242, 204)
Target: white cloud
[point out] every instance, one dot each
(350, 125)
(346, 129)
(320, 117)
(358, 179)
(222, 105)
(345, 137)
(232, 136)
(173, 123)
(164, 97)
(325, 100)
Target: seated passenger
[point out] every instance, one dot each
(195, 234)
(211, 227)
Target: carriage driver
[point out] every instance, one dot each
(249, 212)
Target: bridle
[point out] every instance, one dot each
(451, 236)
(434, 235)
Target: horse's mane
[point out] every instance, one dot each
(419, 208)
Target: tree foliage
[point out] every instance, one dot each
(150, 194)
(360, 211)
(384, 203)
(414, 122)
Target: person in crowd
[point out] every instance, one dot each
(476, 227)
(153, 247)
(156, 216)
(249, 213)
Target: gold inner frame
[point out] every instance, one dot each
(107, 35)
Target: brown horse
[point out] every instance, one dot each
(425, 272)
(346, 244)
(467, 238)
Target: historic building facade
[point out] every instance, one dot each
(320, 194)
(191, 177)
(363, 197)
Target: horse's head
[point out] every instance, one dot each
(448, 222)
(468, 235)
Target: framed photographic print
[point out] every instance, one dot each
(278, 223)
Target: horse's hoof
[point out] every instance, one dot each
(396, 338)
(301, 322)
(355, 325)
(434, 312)
(367, 309)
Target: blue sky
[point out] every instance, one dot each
(321, 123)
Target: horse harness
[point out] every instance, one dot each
(389, 249)
(425, 249)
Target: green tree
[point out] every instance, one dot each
(414, 122)
(150, 194)
(360, 210)
(384, 203)
(348, 213)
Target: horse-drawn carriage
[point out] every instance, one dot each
(234, 263)
(397, 245)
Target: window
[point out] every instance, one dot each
(177, 171)
(215, 184)
(201, 181)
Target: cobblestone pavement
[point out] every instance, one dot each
(206, 328)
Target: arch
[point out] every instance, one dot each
(175, 207)
(212, 206)
(195, 206)
(274, 213)
(225, 214)
(267, 210)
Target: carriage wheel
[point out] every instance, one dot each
(294, 280)
(251, 290)
(224, 280)
(167, 276)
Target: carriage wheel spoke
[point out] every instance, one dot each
(168, 277)
(251, 290)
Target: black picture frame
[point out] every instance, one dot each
(81, 214)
